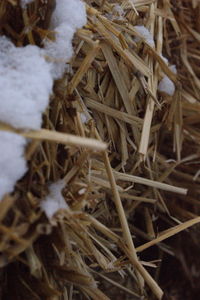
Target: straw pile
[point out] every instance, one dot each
(141, 190)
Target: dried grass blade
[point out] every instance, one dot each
(65, 138)
(83, 68)
(169, 234)
(133, 120)
(127, 235)
(149, 182)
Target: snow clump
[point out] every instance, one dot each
(145, 35)
(67, 17)
(25, 85)
(12, 162)
(166, 85)
(55, 200)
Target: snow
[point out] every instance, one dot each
(166, 86)
(61, 50)
(12, 162)
(82, 191)
(67, 17)
(26, 81)
(25, 85)
(55, 200)
(71, 12)
(173, 69)
(84, 118)
(145, 34)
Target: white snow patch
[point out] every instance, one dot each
(82, 191)
(166, 86)
(173, 69)
(12, 162)
(145, 34)
(25, 85)
(60, 51)
(67, 17)
(54, 201)
(84, 118)
(72, 12)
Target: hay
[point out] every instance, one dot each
(129, 155)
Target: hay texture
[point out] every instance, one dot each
(99, 153)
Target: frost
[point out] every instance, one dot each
(66, 19)
(12, 162)
(25, 85)
(54, 201)
(145, 34)
(166, 86)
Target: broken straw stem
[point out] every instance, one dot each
(149, 182)
(61, 138)
(65, 138)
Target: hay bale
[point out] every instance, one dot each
(114, 170)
